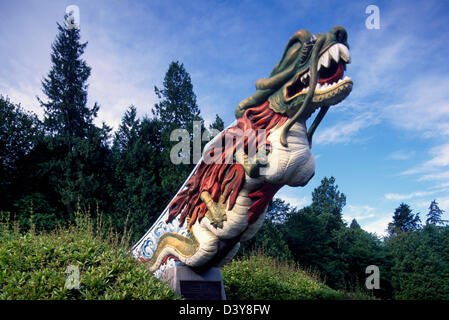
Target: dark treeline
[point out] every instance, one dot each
(53, 167)
(413, 259)
(64, 163)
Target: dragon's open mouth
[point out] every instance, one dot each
(331, 67)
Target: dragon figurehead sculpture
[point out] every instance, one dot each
(223, 202)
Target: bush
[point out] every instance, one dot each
(420, 268)
(259, 277)
(33, 266)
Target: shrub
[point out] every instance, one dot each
(259, 277)
(33, 266)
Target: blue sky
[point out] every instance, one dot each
(385, 144)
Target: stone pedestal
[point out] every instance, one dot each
(195, 286)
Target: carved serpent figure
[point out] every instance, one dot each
(224, 202)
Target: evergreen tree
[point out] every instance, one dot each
(420, 267)
(270, 240)
(66, 113)
(403, 221)
(278, 211)
(218, 124)
(358, 249)
(78, 151)
(434, 215)
(354, 224)
(128, 131)
(311, 233)
(270, 237)
(327, 199)
(20, 131)
(177, 109)
(136, 152)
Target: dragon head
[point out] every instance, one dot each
(308, 76)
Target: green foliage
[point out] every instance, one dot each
(278, 211)
(271, 240)
(259, 277)
(403, 220)
(74, 159)
(177, 107)
(421, 263)
(310, 239)
(358, 249)
(311, 233)
(218, 124)
(137, 182)
(65, 86)
(434, 215)
(19, 132)
(33, 266)
(354, 224)
(319, 239)
(270, 237)
(327, 199)
(35, 210)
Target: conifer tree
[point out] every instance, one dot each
(128, 131)
(354, 224)
(19, 132)
(434, 215)
(403, 220)
(77, 149)
(136, 154)
(218, 124)
(327, 199)
(66, 111)
(177, 109)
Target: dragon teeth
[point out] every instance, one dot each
(344, 53)
(305, 77)
(325, 86)
(324, 60)
(335, 53)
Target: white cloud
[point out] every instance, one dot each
(443, 203)
(399, 197)
(346, 130)
(378, 226)
(357, 212)
(401, 155)
(441, 185)
(433, 169)
(25, 94)
(435, 176)
(424, 107)
(441, 156)
(295, 202)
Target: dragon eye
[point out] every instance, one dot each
(311, 40)
(307, 47)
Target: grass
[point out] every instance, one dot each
(33, 265)
(259, 277)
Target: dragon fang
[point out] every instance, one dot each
(223, 203)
